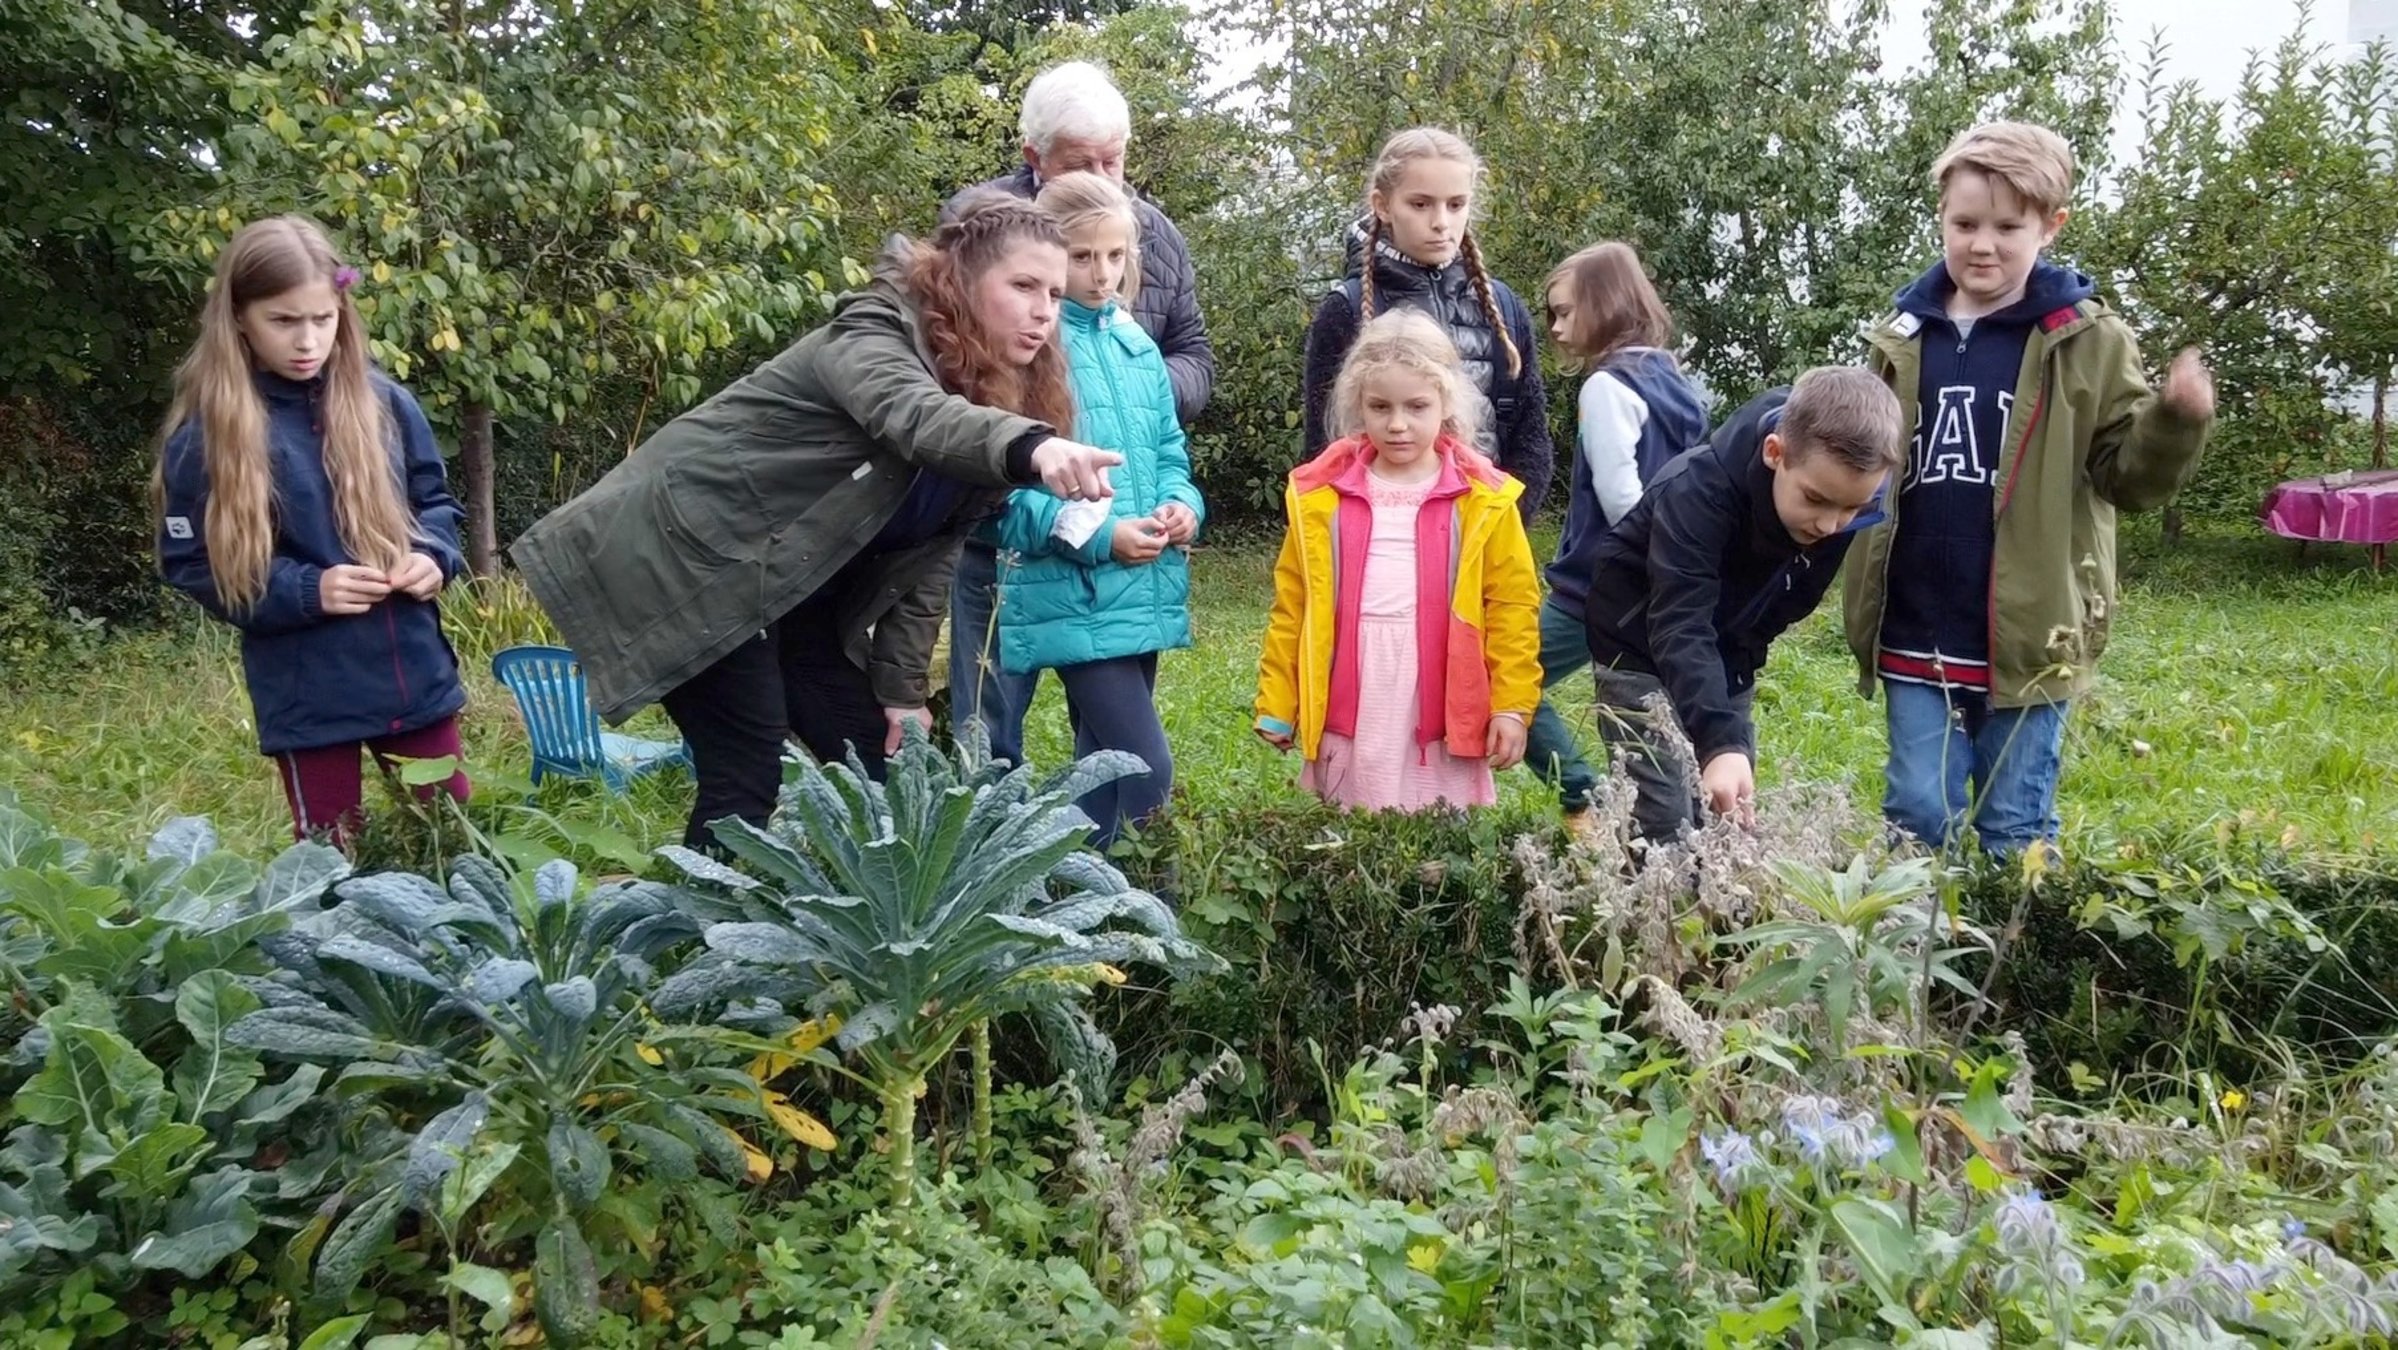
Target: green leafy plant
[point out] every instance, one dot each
(1860, 939)
(139, 1124)
(521, 1011)
(956, 893)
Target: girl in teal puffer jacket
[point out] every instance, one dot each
(1094, 591)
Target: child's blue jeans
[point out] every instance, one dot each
(978, 688)
(1551, 750)
(1944, 742)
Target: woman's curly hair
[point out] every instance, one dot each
(940, 276)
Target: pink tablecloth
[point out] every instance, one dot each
(2362, 510)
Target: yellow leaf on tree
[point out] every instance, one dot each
(382, 271)
(648, 1055)
(799, 1124)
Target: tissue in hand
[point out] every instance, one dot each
(1078, 521)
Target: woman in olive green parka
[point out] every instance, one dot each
(776, 561)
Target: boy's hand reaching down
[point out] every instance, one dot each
(2189, 386)
(1729, 784)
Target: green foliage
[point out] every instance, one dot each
(139, 1123)
(102, 99)
(1334, 926)
(915, 909)
(521, 1013)
(1855, 940)
(1657, 1127)
(2239, 960)
(2263, 228)
(547, 202)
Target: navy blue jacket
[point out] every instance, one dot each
(1676, 421)
(319, 680)
(1519, 404)
(1938, 615)
(1695, 584)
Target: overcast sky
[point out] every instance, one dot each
(2205, 40)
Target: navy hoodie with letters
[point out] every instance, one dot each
(1936, 629)
(319, 679)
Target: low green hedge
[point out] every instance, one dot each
(1336, 925)
(2148, 967)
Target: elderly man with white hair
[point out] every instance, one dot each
(1074, 119)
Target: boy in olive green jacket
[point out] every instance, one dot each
(1983, 603)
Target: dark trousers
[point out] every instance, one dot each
(326, 789)
(791, 680)
(1659, 763)
(1112, 705)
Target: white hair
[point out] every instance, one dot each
(1077, 100)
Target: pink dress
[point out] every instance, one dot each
(1381, 767)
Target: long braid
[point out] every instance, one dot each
(1365, 273)
(1472, 253)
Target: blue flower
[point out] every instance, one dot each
(1823, 1134)
(2026, 1223)
(1730, 1153)
(1812, 1122)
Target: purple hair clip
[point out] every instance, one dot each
(344, 278)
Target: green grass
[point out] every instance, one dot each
(2245, 685)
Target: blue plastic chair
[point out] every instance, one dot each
(566, 733)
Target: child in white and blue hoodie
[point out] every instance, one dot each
(1637, 411)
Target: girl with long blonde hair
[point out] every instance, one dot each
(1096, 592)
(300, 497)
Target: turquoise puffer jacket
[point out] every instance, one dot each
(1062, 606)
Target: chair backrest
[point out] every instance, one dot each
(548, 685)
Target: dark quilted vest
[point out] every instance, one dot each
(1448, 295)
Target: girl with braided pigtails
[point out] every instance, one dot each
(1413, 248)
